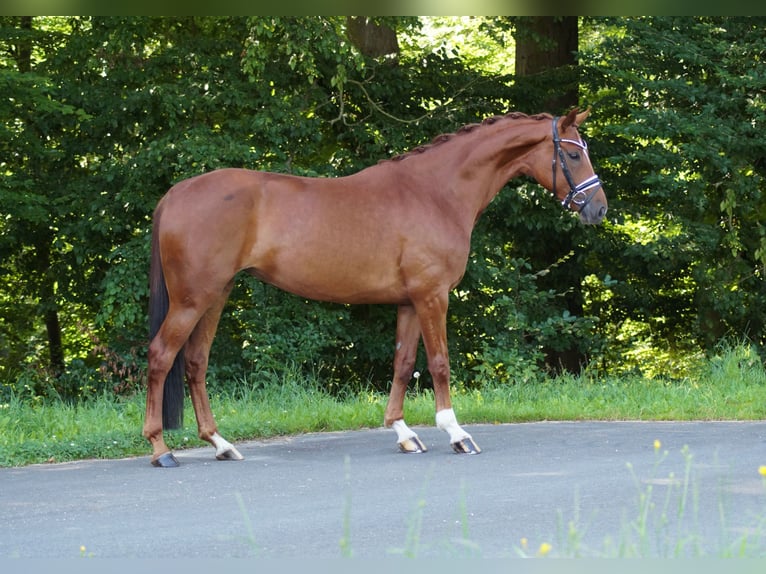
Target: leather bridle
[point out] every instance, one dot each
(576, 193)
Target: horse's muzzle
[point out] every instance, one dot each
(593, 212)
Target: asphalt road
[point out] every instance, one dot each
(590, 488)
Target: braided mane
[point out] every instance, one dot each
(440, 139)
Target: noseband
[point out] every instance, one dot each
(576, 193)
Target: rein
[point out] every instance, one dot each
(576, 193)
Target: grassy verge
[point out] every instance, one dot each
(731, 386)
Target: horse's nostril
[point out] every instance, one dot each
(602, 212)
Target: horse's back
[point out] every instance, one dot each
(336, 239)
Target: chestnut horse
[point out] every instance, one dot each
(397, 232)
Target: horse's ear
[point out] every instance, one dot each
(568, 120)
(574, 118)
(580, 118)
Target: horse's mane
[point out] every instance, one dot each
(440, 139)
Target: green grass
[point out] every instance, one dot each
(730, 386)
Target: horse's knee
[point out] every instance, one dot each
(154, 356)
(404, 361)
(439, 368)
(196, 366)
(159, 360)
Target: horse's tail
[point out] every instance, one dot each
(173, 394)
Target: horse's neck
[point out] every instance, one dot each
(476, 165)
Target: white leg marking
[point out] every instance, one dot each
(403, 432)
(407, 439)
(446, 421)
(224, 450)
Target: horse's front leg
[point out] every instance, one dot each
(407, 338)
(432, 316)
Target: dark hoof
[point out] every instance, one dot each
(412, 445)
(166, 460)
(466, 446)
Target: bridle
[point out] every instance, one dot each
(576, 193)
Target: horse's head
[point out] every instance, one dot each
(571, 178)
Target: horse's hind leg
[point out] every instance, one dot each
(196, 354)
(162, 352)
(407, 338)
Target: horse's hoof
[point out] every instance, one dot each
(166, 460)
(229, 454)
(466, 446)
(412, 445)
(224, 450)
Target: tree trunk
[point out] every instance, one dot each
(23, 52)
(370, 38)
(545, 44)
(48, 307)
(55, 344)
(546, 69)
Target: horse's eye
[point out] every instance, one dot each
(574, 155)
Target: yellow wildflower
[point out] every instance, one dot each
(545, 548)
(657, 444)
(524, 543)
(762, 470)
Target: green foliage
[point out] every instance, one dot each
(680, 137)
(101, 115)
(728, 386)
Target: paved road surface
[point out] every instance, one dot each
(300, 496)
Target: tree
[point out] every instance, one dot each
(34, 121)
(100, 116)
(546, 58)
(141, 103)
(109, 122)
(547, 78)
(681, 140)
